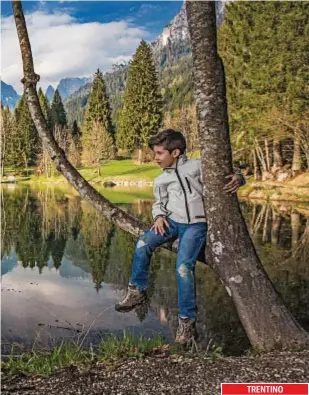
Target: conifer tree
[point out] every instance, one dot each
(8, 136)
(75, 131)
(27, 144)
(141, 115)
(266, 62)
(58, 113)
(45, 107)
(98, 106)
(97, 130)
(75, 149)
(59, 122)
(44, 162)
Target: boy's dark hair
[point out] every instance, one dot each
(170, 139)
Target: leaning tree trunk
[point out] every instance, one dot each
(230, 251)
(122, 219)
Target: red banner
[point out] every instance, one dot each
(264, 388)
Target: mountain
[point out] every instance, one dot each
(67, 86)
(174, 41)
(9, 96)
(172, 56)
(50, 93)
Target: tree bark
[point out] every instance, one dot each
(295, 226)
(255, 165)
(230, 251)
(276, 226)
(296, 164)
(122, 219)
(265, 237)
(266, 142)
(277, 155)
(140, 156)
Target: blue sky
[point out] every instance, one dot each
(73, 38)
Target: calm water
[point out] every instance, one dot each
(64, 267)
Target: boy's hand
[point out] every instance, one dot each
(159, 225)
(234, 184)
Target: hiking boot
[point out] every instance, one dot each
(134, 297)
(186, 333)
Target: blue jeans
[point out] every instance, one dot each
(192, 237)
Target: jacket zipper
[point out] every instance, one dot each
(189, 186)
(185, 195)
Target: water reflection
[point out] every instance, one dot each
(64, 266)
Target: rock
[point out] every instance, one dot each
(11, 179)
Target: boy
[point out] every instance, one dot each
(178, 212)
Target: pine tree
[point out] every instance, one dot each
(27, 143)
(98, 106)
(97, 146)
(44, 162)
(75, 148)
(263, 45)
(45, 108)
(97, 130)
(141, 115)
(7, 133)
(59, 123)
(75, 131)
(58, 113)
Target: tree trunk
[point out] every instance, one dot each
(2, 149)
(295, 225)
(260, 155)
(275, 229)
(140, 156)
(265, 237)
(230, 251)
(277, 155)
(266, 142)
(256, 167)
(119, 217)
(296, 164)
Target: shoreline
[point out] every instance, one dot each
(293, 190)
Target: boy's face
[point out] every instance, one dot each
(163, 157)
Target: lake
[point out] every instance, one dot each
(64, 267)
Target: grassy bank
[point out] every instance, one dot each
(110, 349)
(294, 190)
(127, 172)
(115, 170)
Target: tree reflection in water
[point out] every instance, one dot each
(44, 225)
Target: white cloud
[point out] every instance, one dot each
(64, 47)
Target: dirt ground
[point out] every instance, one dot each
(165, 374)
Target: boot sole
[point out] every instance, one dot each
(126, 309)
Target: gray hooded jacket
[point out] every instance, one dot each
(178, 192)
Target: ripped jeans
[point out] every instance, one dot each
(192, 237)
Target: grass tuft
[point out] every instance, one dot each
(110, 348)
